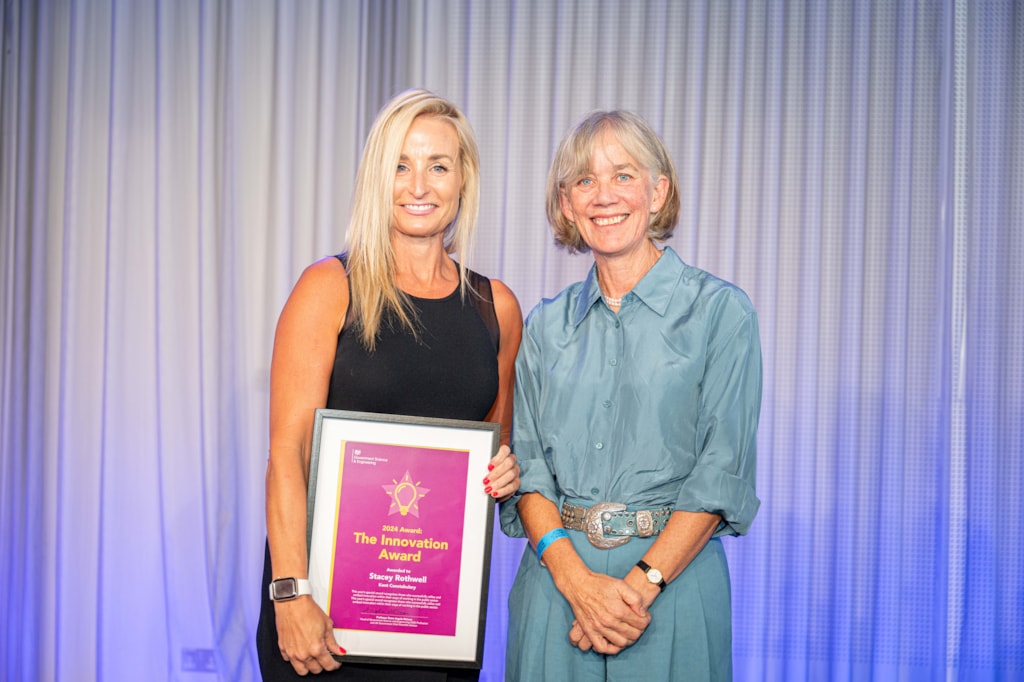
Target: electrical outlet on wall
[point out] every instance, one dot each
(198, 660)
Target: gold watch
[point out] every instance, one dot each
(653, 575)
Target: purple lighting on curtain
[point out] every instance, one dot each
(168, 169)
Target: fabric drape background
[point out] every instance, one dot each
(168, 168)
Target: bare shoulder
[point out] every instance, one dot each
(326, 271)
(506, 305)
(325, 278)
(321, 293)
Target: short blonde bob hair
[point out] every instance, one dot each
(572, 161)
(371, 260)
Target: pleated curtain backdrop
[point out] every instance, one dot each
(168, 168)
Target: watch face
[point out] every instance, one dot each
(284, 589)
(654, 575)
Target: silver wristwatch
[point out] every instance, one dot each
(286, 589)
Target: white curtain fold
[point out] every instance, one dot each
(167, 169)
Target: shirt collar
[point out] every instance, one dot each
(655, 289)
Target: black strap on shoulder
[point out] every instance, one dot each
(343, 257)
(482, 298)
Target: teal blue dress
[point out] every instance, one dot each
(656, 406)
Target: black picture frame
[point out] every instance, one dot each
(416, 622)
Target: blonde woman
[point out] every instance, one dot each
(393, 325)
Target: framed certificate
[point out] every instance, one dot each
(399, 535)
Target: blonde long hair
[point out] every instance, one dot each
(371, 259)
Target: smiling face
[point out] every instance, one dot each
(611, 205)
(428, 179)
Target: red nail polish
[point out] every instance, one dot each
(487, 481)
(342, 649)
(490, 467)
(487, 489)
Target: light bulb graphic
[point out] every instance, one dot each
(405, 496)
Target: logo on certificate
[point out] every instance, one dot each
(405, 496)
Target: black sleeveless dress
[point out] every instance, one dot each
(450, 371)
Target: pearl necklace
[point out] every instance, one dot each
(617, 302)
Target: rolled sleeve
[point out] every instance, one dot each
(712, 490)
(535, 478)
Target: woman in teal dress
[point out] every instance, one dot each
(637, 398)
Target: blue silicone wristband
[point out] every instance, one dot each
(549, 537)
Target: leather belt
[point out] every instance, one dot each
(611, 518)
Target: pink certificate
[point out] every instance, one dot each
(399, 535)
(399, 542)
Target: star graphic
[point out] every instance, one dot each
(405, 496)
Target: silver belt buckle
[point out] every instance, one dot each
(594, 526)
